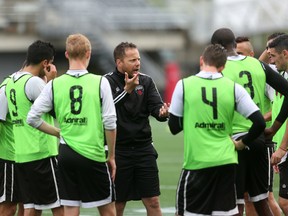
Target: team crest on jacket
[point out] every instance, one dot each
(139, 89)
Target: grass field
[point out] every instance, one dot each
(170, 150)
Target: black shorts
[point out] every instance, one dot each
(253, 171)
(137, 173)
(84, 182)
(271, 150)
(38, 183)
(283, 178)
(8, 182)
(209, 191)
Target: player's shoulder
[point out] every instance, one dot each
(35, 80)
(253, 60)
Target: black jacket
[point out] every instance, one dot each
(133, 110)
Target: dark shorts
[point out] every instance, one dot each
(137, 173)
(83, 182)
(283, 178)
(38, 183)
(8, 182)
(209, 191)
(271, 150)
(253, 171)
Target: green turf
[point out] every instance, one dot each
(170, 150)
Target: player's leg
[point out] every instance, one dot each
(20, 210)
(241, 174)
(120, 206)
(249, 207)
(107, 210)
(32, 212)
(71, 211)
(276, 210)
(283, 189)
(9, 193)
(258, 177)
(8, 208)
(262, 207)
(283, 205)
(58, 211)
(152, 205)
(240, 209)
(274, 206)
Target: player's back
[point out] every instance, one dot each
(248, 72)
(77, 105)
(208, 111)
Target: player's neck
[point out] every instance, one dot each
(33, 69)
(232, 53)
(77, 65)
(208, 68)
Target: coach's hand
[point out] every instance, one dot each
(131, 82)
(164, 110)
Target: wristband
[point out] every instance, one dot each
(282, 148)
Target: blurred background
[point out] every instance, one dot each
(170, 34)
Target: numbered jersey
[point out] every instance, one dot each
(30, 143)
(276, 107)
(248, 72)
(77, 105)
(7, 150)
(208, 112)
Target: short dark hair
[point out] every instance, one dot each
(224, 37)
(214, 55)
(274, 35)
(241, 39)
(39, 51)
(279, 43)
(119, 51)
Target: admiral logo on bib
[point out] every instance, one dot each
(18, 122)
(76, 121)
(210, 126)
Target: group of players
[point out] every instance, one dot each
(208, 122)
(275, 59)
(227, 98)
(39, 173)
